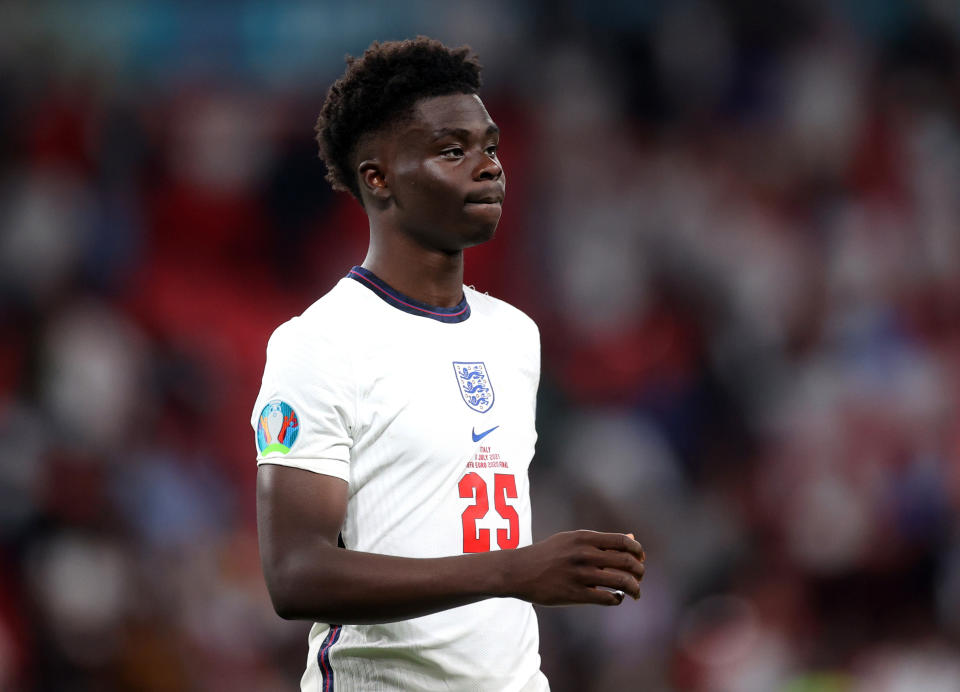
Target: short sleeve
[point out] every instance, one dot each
(303, 416)
(534, 358)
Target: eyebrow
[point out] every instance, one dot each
(463, 133)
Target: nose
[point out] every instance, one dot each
(488, 168)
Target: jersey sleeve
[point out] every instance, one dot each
(535, 358)
(304, 413)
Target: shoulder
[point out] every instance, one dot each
(505, 315)
(309, 361)
(321, 332)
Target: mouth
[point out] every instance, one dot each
(487, 207)
(489, 198)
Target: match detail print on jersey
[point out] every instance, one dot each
(475, 386)
(278, 427)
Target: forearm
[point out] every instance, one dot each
(299, 514)
(350, 587)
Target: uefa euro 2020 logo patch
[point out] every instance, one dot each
(278, 427)
(475, 386)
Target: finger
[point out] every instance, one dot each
(611, 559)
(643, 554)
(616, 579)
(616, 541)
(602, 597)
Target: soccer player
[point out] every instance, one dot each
(395, 423)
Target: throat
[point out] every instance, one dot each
(405, 303)
(434, 278)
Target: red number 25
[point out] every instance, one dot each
(504, 486)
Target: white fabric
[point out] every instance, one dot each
(381, 406)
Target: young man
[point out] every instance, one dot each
(396, 415)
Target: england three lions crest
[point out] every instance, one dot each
(475, 386)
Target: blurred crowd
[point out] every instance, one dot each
(737, 225)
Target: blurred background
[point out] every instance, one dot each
(737, 225)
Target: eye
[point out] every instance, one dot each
(452, 153)
(491, 150)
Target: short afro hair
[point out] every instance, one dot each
(379, 89)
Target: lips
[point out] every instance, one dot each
(491, 197)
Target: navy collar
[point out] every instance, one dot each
(458, 313)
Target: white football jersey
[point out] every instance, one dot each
(428, 414)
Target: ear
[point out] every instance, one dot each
(373, 179)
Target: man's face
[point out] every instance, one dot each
(445, 179)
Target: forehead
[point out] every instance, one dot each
(449, 112)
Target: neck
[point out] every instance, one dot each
(429, 275)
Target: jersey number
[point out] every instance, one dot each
(504, 486)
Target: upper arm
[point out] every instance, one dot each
(303, 459)
(299, 515)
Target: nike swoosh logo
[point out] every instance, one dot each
(477, 438)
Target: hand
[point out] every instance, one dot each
(568, 568)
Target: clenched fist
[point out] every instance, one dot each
(568, 568)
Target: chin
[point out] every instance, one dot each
(478, 236)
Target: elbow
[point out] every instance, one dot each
(284, 609)
(297, 594)
(281, 600)
(287, 608)
(283, 594)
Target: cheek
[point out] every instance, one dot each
(428, 185)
